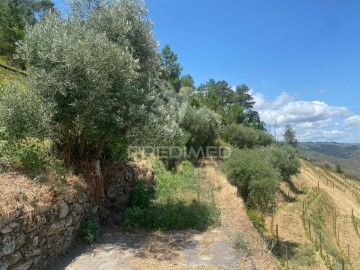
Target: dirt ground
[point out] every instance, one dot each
(212, 249)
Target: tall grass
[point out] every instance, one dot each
(180, 200)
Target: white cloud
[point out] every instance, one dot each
(352, 120)
(312, 120)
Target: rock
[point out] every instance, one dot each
(36, 252)
(40, 220)
(55, 227)
(9, 247)
(14, 258)
(24, 266)
(35, 241)
(68, 221)
(20, 240)
(77, 208)
(37, 260)
(14, 225)
(6, 229)
(6, 238)
(4, 265)
(63, 209)
(42, 242)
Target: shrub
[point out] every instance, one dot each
(142, 195)
(338, 169)
(255, 177)
(201, 125)
(284, 158)
(172, 215)
(179, 202)
(89, 230)
(327, 167)
(257, 219)
(245, 137)
(31, 157)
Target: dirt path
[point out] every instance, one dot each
(212, 249)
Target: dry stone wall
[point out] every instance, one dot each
(33, 242)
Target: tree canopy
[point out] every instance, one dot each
(14, 16)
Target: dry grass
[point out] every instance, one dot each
(343, 198)
(22, 197)
(234, 217)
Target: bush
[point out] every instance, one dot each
(338, 169)
(89, 230)
(179, 202)
(245, 137)
(257, 219)
(172, 215)
(255, 177)
(201, 125)
(31, 157)
(284, 158)
(142, 195)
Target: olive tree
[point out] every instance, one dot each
(97, 69)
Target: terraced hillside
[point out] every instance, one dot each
(317, 220)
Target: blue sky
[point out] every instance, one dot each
(300, 58)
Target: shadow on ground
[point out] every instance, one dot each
(116, 249)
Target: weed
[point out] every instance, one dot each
(32, 157)
(257, 219)
(178, 201)
(89, 230)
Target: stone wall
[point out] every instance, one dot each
(33, 239)
(32, 242)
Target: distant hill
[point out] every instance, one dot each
(321, 153)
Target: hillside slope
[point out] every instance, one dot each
(346, 155)
(329, 205)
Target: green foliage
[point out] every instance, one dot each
(243, 97)
(245, 137)
(201, 125)
(23, 114)
(218, 95)
(173, 215)
(171, 69)
(6, 149)
(179, 201)
(96, 82)
(14, 16)
(142, 194)
(327, 167)
(254, 121)
(254, 176)
(289, 136)
(32, 157)
(338, 169)
(257, 219)
(234, 115)
(187, 81)
(284, 158)
(235, 106)
(89, 230)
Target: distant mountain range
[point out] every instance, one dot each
(321, 153)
